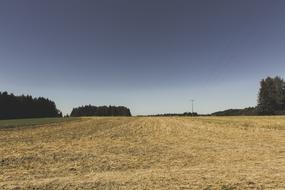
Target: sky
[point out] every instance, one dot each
(152, 56)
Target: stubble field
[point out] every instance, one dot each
(146, 153)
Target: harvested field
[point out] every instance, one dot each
(146, 153)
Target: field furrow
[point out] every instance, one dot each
(146, 153)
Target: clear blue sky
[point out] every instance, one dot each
(150, 55)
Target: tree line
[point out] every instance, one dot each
(237, 112)
(270, 101)
(90, 110)
(175, 114)
(18, 107)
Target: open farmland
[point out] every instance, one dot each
(17, 123)
(146, 153)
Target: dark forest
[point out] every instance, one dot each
(19, 107)
(90, 110)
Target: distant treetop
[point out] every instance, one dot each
(90, 110)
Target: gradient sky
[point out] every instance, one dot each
(150, 55)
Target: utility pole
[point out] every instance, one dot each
(192, 101)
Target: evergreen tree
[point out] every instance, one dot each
(271, 96)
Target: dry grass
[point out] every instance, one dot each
(146, 153)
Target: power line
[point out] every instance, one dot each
(192, 101)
